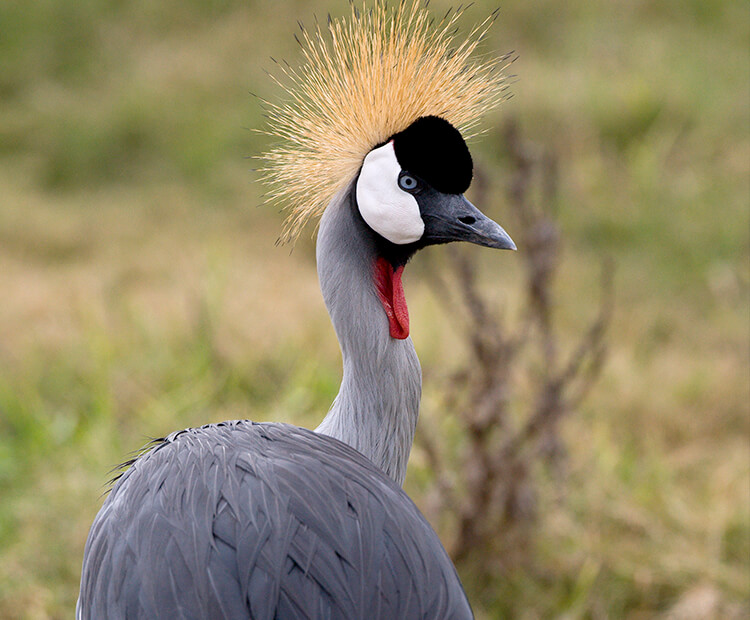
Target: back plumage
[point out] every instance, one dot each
(276, 522)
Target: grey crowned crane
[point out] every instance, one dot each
(266, 520)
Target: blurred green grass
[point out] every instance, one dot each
(142, 291)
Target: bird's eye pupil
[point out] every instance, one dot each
(407, 182)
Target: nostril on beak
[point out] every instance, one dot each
(467, 219)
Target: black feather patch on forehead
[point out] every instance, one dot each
(433, 149)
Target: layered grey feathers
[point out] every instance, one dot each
(245, 520)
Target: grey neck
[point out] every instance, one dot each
(377, 405)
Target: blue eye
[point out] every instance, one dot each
(407, 182)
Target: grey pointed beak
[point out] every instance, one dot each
(450, 217)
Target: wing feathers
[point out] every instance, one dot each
(245, 520)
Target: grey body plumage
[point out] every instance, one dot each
(247, 520)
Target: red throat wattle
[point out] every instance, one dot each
(391, 294)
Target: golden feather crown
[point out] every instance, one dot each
(364, 78)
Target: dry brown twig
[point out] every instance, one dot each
(493, 506)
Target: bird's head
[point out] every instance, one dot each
(376, 108)
(409, 193)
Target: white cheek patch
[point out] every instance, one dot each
(387, 209)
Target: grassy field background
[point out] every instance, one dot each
(141, 291)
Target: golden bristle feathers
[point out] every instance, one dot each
(363, 79)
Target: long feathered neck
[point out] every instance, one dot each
(377, 405)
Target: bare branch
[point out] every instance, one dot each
(512, 395)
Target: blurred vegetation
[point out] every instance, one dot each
(142, 292)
